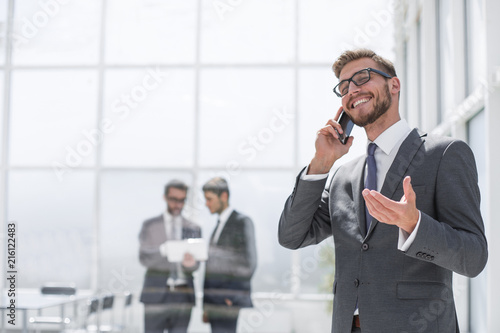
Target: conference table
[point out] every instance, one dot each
(27, 302)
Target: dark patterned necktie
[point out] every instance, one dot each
(215, 231)
(371, 178)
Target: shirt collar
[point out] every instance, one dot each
(167, 217)
(391, 136)
(224, 216)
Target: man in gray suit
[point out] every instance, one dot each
(168, 291)
(398, 243)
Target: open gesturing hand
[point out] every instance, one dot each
(403, 214)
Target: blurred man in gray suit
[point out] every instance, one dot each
(404, 217)
(232, 259)
(168, 291)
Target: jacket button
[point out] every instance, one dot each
(419, 254)
(365, 246)
(356, 282)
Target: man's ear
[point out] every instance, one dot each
(395, 85)
(224, 196)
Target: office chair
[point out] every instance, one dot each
(127, 302)
(107, 304)
(106, 309)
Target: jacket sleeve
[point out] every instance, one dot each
(149, 251)
(305, 219)
(455, 239)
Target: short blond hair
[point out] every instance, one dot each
(350, 55)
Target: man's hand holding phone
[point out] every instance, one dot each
(346, 123)
(329, 144)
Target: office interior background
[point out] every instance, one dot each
(104, 101)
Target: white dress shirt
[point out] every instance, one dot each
(388, 144)
(173, 226)
(223, 217)
(173, 230)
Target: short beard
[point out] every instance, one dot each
(380, 107)
(171, 212)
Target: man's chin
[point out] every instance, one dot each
(361, 120)
(368, 118)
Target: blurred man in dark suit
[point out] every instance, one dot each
(232, 259)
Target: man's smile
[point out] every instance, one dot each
(360, 101)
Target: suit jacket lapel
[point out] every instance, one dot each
(399, 167)
(227, 226)
(224, 229)
(213, 235)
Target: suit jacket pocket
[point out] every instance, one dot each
(423, 290)
(419, 189)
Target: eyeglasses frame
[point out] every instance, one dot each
(176, 200)
(369, 69)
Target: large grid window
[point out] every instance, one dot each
(476, 43)
(465, 95)
(105, 101)
(447, 57)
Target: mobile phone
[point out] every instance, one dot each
(347, 126)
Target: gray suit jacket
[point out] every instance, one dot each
(396, 291)
(155, 289)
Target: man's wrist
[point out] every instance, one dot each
(410, 227)
(318, 168)
(406, 240)
(304, 175)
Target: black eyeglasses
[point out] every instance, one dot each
(176, 200)
(358, 78)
